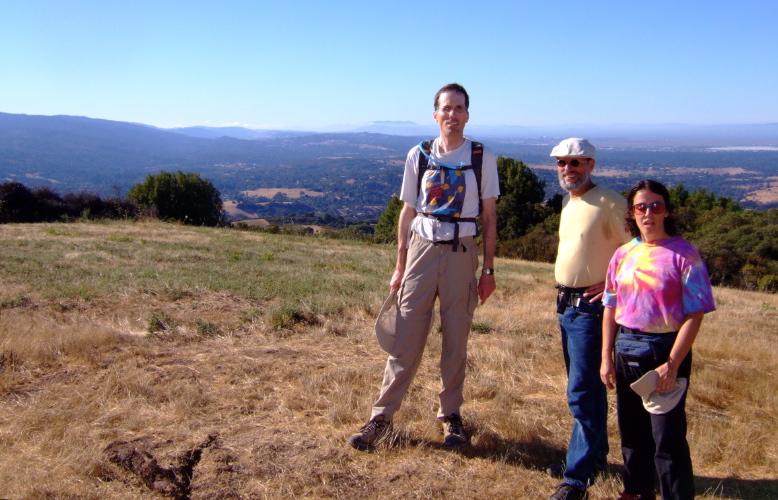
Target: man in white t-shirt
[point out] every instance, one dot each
(437, 257)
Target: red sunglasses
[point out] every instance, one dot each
(656, 208)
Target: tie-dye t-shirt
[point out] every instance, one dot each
(653, 286)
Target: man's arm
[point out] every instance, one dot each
(486, 284)
(407, 215)
(620, 235)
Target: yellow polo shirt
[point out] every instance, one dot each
(590, 230)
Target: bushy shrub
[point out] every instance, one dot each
(19, 204)
(183, 197)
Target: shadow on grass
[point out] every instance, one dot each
(538, 455)
(730, 487)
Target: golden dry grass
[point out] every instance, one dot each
(251, 358)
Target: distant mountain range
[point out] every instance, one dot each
(75, 154)
(236, 132)
(619, 135)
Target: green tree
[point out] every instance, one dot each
(386, 227)
(539, 244)
(521, 198)
(679, 196)
(183, 197)
(739, 248)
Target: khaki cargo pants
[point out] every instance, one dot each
(432, 271)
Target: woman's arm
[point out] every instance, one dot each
(609, 328)
(683, 344)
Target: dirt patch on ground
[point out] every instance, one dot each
(253, 222)
(713, 171)
(231, 207)
(602, 172)
(768, 194)
(290, 193)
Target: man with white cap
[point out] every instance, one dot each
(590, 230)
(446, 183)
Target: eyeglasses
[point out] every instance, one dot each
(656, 208)
(572, 163)
(448, 109)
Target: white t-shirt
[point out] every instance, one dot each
(431, 228)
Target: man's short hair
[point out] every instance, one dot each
(453, 87)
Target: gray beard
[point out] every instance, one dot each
(575, 185)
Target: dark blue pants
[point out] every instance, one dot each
(652, 444)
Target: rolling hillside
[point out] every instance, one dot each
(148, 360)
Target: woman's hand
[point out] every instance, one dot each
(667, 376)
(608, 373)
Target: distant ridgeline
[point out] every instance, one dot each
(357, 172)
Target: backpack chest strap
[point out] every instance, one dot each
(455, 221)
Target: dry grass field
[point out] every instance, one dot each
(148, 360)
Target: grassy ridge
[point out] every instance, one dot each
(235, 365)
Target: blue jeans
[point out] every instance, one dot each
(587, 399)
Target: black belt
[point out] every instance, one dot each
(455, 221)
(632, 331)
(570, 297)
(448, 242)
(569, 294)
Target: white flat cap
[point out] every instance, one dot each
(659, 403)
(574, 148)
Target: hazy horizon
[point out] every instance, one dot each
(308, 66)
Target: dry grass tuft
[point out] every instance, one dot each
(144, 360)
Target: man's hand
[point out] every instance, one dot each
(594, 292)
(486, 285)
(397, 279)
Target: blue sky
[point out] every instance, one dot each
(312, 64)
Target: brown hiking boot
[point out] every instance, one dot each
(454, 431)
(371, 434)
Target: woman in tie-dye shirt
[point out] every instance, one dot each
(656, 293)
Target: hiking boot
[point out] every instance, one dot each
(371, 434)
(568, 492)
(633, 496)
(454, 431)
(557, 471)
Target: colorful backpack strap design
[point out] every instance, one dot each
(476, 162)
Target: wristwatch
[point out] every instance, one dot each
(488, 270)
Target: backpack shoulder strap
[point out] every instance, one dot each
(423, 164)
(477, 161)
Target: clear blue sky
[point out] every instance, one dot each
(310, 64)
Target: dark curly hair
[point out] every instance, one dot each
(671, 226)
